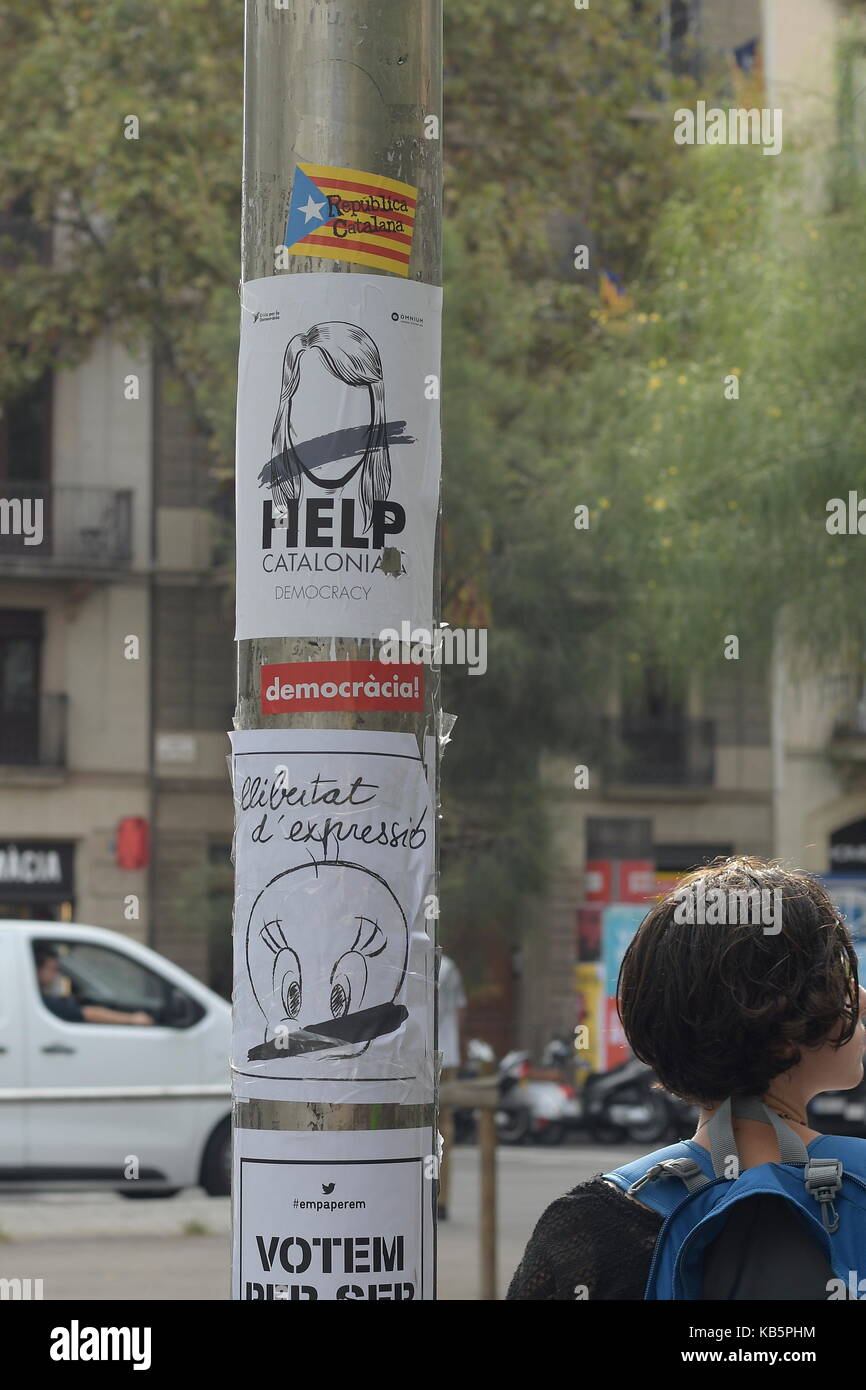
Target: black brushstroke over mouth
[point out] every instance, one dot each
(327, 448)
(362, 1026)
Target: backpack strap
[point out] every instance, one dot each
(723, 1145)
(822, 1176)
(824, 1180)
(646, 1176)
(687, 1169)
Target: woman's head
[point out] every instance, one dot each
(744, 972)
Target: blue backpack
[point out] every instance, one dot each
(795, 1229)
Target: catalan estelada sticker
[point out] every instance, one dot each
(347, 215)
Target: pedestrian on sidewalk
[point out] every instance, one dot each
(763, 1011)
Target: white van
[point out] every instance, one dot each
(147, 1144)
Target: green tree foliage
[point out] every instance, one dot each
(547, 146)
(740, 415)
(148, 228)
(548, 105)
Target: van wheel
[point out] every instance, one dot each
(216, 1168)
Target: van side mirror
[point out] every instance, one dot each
(180, 1011)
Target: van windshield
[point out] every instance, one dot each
(97, 975)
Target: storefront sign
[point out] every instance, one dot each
(36, 870)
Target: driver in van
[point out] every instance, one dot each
(49, 975)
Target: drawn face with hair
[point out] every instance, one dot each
(327, 946)
(323, 397)
(330, 424)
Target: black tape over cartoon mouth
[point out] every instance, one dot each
(351, 1028)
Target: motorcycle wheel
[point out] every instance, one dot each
(551, 1134)
(512, 1126)
(653, 1129)
(602, 1133)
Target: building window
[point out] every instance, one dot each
(681, 859)
(677, 23)
(25, 435)
(20, 649)
(655, 742)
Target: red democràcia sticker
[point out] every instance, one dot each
(341, 685)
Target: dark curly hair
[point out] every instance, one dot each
(718, 1011)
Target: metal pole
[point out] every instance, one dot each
(487, 1158)
(348, 84)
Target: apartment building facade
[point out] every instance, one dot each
(116, 664)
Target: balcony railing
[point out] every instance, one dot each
(850, 727)
(33, 730)
(63, 526)
(854, 726)
(660, 751)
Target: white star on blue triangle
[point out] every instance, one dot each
(308, 208)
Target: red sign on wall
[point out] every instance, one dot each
(636, 881)
(133, 843)
(599, 882)
(619, 881)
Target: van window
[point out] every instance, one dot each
(99, 975)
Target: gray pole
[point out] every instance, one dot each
(345, 83)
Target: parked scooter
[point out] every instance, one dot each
(620, 1104)
(535, 1103)
(532, 1105)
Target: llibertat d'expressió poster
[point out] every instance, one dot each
(345, 1217)
(334, 928)
(338, 455)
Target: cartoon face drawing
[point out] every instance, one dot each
(305, 445)
(326, 951)
(324, 404)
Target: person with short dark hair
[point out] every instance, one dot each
(717, 1008)
(48, 974)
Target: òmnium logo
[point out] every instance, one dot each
(412, 319)
(270, 317)
(77, 1343)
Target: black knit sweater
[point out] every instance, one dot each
(595, 1242)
